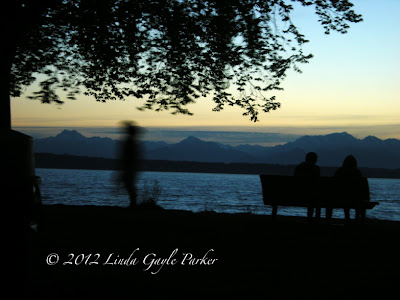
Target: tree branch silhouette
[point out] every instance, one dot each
(168, 53)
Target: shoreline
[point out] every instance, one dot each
(285, 259)
(56, 161)
(190, 172)
(246, 215)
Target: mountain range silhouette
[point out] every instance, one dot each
(370, 152)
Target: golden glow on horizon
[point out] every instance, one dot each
(87, 112)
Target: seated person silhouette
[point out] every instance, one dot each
(348, 170)
(308, 168)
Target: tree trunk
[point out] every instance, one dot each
(11, 25)
(16, 153)
(5, 110)
(16, 19)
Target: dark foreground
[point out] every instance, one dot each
(286, 259)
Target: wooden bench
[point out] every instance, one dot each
(322, 192)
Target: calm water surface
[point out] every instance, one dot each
(192, 191)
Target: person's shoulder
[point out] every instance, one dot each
(301, 165)
(299, 169)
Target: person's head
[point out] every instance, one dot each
(350, 162)
(311, 158)
(130, 128)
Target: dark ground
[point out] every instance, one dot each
(257, 258)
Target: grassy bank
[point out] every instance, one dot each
(207, 255)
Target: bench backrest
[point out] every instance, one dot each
(325, 191)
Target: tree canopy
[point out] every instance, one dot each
(167, 52)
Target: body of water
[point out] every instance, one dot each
(196, 192)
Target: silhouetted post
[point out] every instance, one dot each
(20, 185)
(129, 162)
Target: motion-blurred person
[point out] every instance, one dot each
(129, 160)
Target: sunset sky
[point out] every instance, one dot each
(352, 84)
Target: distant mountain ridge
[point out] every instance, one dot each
(370, 152)
(194, 149)
(72, 142)
(332, 148)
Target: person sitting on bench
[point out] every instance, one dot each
(348, 170)
(308, 168)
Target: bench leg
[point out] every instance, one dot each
(347, 214)
(274, 211)
(310, 211)
(318, 212)
(328, 214)
(363, 213)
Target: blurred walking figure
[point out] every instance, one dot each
(129, 159)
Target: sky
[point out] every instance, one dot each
(352, 84)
